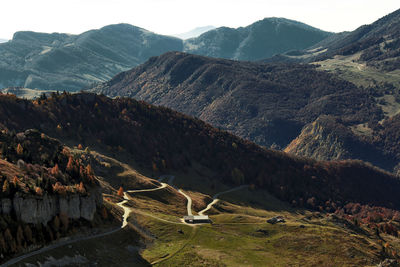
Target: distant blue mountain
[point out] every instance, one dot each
(262, 39)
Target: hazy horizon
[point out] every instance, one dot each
(172, 17)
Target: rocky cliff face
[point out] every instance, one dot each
(35, 209)
(327, 139)
(319, 141)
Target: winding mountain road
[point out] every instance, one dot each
(125, 216)
(188, 198)
(128, 210)
(189, 203)
(215, 199)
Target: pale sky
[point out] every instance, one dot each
(177, 16)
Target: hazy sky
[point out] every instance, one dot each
(177, 16)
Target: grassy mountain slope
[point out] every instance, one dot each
(259, 40)
(70, 62)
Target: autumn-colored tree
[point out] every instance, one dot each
(20, 150)
(80, 188)
(70, 165)
(60, 189)
(121, 192)
(66, 151)
(55, 170)
(15, 181)
(89, 170)
(6, 187)
(39, 191)
(81, 171)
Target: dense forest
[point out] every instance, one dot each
(163, 139)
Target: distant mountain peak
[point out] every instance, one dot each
(195, 32)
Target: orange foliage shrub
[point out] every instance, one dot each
(55, 170)
(70, 164)
(59, 188)
(6, 187)
(80, 188)
(15, 181)
(20, 150)
(121, 192)
(39, 191)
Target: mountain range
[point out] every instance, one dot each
(72, 62)
(338, 107)
(110, 177)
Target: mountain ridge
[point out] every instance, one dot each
(61, 61)
(58, 61)
(212, 89)
(250, 42)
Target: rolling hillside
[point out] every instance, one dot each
(71, 62)
(266, 103)
(262, 39)
(81, 118)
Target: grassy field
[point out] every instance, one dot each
(240, 236)
(244, 238)
(349, 69)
